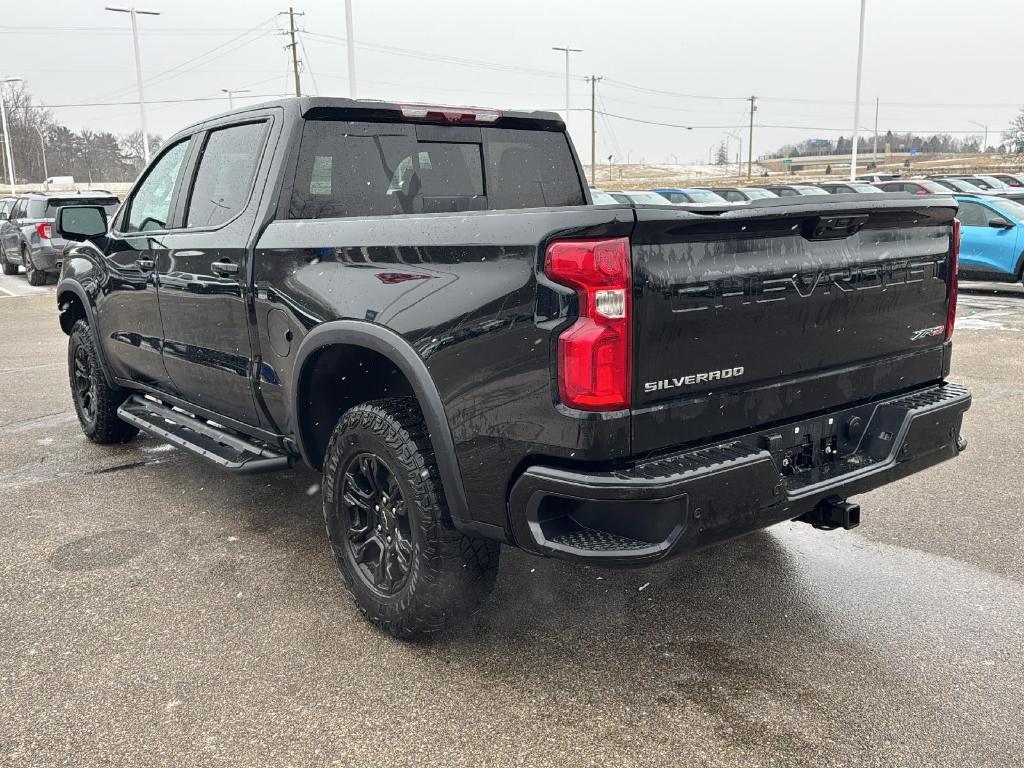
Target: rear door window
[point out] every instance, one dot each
(36, 209)
(378, 169)
(227, 168)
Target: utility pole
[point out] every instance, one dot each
(351, 48)
(856, 97)
(567, 52)
(750, 142)
(133, 12)
(295, 49)
(874, 147)
(593, 127)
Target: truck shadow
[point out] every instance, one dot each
(762, 624)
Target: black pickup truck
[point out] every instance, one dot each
(422, 303)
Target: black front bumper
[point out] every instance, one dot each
(684, 501)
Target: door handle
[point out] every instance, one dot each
(145, 264)
(224, 268)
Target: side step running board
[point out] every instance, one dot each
(226, 449)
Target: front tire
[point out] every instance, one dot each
(33, 275)
(407, 567)
(96, 402)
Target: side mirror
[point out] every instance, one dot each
(80, 222)
(1000, 224)
(3, 215)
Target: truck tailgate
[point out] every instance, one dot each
(776, 310)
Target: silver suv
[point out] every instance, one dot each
(26, 236)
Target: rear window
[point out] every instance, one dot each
(379, 169)
(109, 204)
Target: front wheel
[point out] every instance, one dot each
(410, 571)
(33, 275)
(96, 402)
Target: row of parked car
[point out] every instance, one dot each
(26, 231)
(991, 210)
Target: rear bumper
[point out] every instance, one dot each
(46, 258)
(684, 501)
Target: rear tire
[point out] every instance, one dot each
(33, 275)
(96, 402)
(9, 269)
(409, 570)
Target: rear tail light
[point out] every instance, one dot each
(595, 368)
(954, 278)
(43, 230)
(432, 114)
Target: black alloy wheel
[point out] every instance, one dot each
(83, 383)
(378, 534)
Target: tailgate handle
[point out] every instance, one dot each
(834, 227)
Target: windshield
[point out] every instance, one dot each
(995, 183)
(865, 188)
(961, 185)
(1009, 207)
(704, 196)
(979, 183)
(758, 194)
(933, 186)
(602, 198)
(647, 198)
(811, 191)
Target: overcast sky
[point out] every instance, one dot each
(936, 65)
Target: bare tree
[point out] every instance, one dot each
(1014, 135)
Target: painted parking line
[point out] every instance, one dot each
(16, 285)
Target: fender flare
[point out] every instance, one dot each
(386, 342)
(66, 285)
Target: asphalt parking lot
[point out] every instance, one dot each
(156, 611)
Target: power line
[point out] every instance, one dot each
(306, 61)
(178, 69)
(150, 101)
(444, 58)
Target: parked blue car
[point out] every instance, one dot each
(991, 239)
(690, 196)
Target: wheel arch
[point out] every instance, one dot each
(363, 338)
(75, 304)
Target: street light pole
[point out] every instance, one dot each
(984, 143)
(567, 52)
(231, 92)
(750, 142)
(133, 12)
(856, 102)
(351, 49)
(739, 154)
(7, 134)
(42, 146)
(874, 146)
